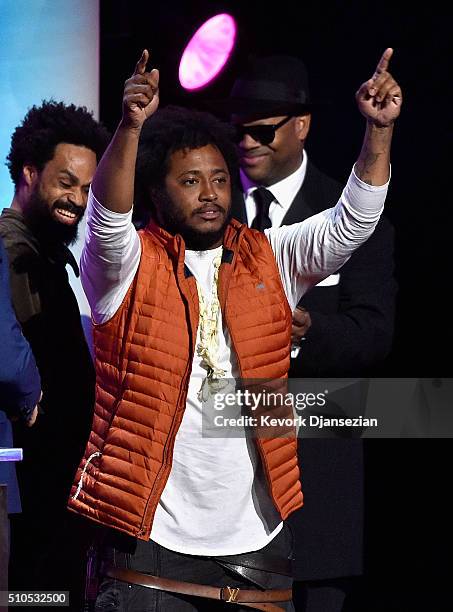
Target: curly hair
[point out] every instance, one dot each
(174, 129)
(44, 127)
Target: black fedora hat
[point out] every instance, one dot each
(272, 85)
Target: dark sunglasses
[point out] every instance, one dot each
(264, 134)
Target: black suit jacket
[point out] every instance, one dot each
(351, 332)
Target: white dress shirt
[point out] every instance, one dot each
(284, 193)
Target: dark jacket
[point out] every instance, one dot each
(47, 310)
(351, 332)
(20, 384)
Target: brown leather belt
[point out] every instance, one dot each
(258, 600)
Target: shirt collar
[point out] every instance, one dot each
(285, 190)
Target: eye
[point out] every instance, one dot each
(190, 181)
(221, 179)
(65, 185)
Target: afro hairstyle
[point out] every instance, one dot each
(174, 129)
(44, 127)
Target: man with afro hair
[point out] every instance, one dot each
(181, 308)
(53, 156)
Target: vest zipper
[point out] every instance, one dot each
(241, 373)
(258, 445)
(164, 471)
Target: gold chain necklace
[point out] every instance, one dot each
(208, 346)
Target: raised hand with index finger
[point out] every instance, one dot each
(113, 181)
(379, 99)
(141, 94)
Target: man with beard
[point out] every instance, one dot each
(191, 301)
(52, 160)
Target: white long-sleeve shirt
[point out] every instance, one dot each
(215, 501)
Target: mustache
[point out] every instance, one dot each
(201, 209)
(255, 152)
(70, 207)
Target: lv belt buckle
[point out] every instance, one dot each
(232, 595)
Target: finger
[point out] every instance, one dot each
(138, 99)
(384, 88)
(299, 328)
(389, 89)
(133, 88)
(154, 76)
(370, 88)
(298, 311)
(140, 66)
(296, 319)
(150, 78)
(299, 319)
(32, 419)
(394, 96)
(380, 80)
(153, 79)
(384, 61)
(364, 91)
(294, 329)
(138, 79)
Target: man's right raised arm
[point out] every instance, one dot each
(113, 183)
(112, 248)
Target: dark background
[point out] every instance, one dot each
(408, 547)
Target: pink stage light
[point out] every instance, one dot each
(207, 52)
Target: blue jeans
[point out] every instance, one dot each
(151, 558)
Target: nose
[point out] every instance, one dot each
(207, 192)
(78, 197)
(247, 143)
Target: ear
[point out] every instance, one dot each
(30, 175)
(303, 126)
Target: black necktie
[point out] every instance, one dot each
(263, 199)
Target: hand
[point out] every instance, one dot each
(141, 94)
(32, 418)
(379, 99)
(301, 324)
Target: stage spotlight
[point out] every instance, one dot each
(207, 52)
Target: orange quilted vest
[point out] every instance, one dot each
(143, 363)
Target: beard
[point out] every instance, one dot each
(173, 221)
(48, 230)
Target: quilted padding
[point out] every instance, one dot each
(143, 358)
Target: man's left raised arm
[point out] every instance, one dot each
(379, 100)
(309, 251)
